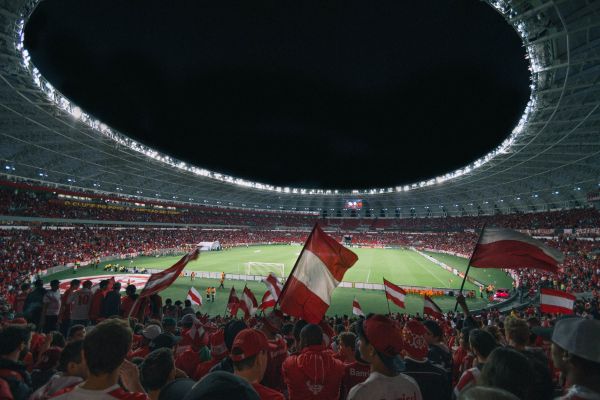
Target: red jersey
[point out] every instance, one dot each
(266, 393)
(19, 302)
(203, 368)
(75, 392)
(96, 306)
(65, 306)
(187, 362)
(141, 352)
(273, 377)
(354, 374)
(126, 304)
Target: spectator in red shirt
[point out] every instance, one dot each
(278, 353)
(97, 298)
(149, 333)
(250, 355)
(19, 301)
(128, 300)
(218, 351)
(314, 373)
(65, 307)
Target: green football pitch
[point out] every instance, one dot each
(400, 266)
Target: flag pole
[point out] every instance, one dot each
(229, 298)
(462, 285)
(285, 286)
(386, 298)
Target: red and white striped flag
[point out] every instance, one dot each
(273, 285)
(267, 301)
(556, 301)
(233, 303)
(356, 310)
(505, 248)
(194, 296)
(164, 279)
(319, 270)
(248, 302)
(394, 293)
(430, 308)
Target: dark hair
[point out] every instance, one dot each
(75, 282)
(168, 301)
(12, 336)
(58, 339)
(298, 326)
(348, 339)
(74, 329)
(113, 335)
(482, 341)
(71, 353)
(25, 286)
(508, 369)
(103, 284)
(155, 369)
(232, 328)
(311, 335)
(187, 303)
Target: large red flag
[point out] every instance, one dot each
(267, 301)
(273, 285)
(164, 279)
(233, 303)
(394, 293)
(194, 296)
(556, 301)
(505, 248)
(430, 308)
(318, 271)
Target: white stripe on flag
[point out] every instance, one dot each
(394, 293)
(491, 235)
(315, 275)
(556, 301)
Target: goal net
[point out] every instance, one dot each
(264, 269)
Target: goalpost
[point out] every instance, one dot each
(263, 269)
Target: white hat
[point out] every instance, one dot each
(578, 336)
(151, 331)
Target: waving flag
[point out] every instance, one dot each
(394, 293)
(248, 302)
(318, 271)
(430, 308)
(356, 310)
(273, 285)
(194, 296)
(233, 303)
(505, 248)
(267, 301)
(164, 279)
(556, 301)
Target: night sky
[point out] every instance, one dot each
(318, 94)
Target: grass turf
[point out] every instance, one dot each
(401, 266)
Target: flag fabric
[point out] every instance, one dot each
(248, 302)
(356, 310)
(505, 248)
(194, 296)
(556, 301)
(267, 301)
(273, 285)
(164, 279)
(394, 293)
(430, 308)
(233, 303)
(318, 271)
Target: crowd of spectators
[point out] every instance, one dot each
(170, 351)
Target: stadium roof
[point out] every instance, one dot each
(550, 160)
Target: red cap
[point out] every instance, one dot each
(415, 345)
(218, 349)
(248, 343)
(381, 332)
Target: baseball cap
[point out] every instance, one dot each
(413, 336)
(218, 349)
(248, 343)
(381, 332)
(151, 332)
(222, 385)
(188, 319)
(578, 336)
(164, 340)
(168, 321)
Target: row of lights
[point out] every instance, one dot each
(77, 113)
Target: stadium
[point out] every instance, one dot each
(82, 200)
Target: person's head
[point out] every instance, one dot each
(249, 353)
(58, 340)
(487, 393)
(103, 284)
(14, 339)
(49, 359)
(39, 283)
(157, 369)
(164, 340)
(222, 385)
(434, 333)
(130, 290)
(508, 369)
(54, 285)
(187, 303)
(311, 335)
(380, 342)
(231, 330)
(347, 342)
(168, 302)
(575, 346)
(71, 362)
(75, 283)
(169, 324)
(87, 284)
(116, 287)
(516, 331)
(114, 335)
(151, 332)
(482, 343)
(298, 326)
(25, 286)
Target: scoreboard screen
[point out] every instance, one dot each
(353, 204)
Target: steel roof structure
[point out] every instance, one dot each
(551, 159)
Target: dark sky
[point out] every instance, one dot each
(327, 94)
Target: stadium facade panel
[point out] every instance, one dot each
(551, 160)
